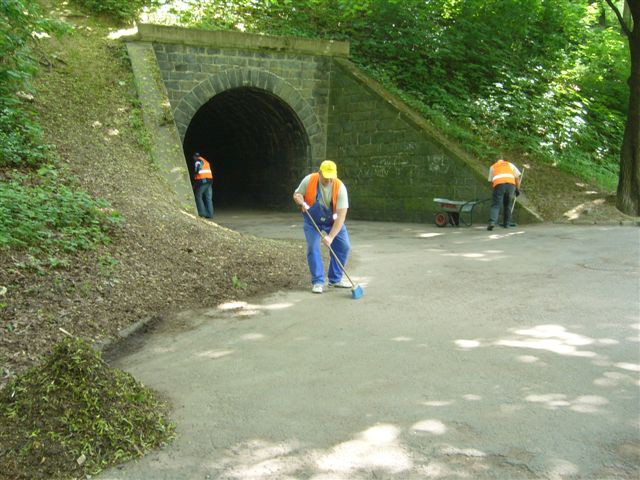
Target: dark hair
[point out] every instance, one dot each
(196, 154)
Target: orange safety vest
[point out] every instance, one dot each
(312, 191)
(502, 173)
(205, 171)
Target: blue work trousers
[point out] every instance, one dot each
(204, 199)
(340, 245)
(503, 195)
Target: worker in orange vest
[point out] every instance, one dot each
(505, 180)
(325, 199)
(203, 184)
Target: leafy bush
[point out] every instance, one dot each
(21, 141)
(42, 215)
(18, 19)
(122, 10)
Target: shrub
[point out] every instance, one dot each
(121, 10)
(40, 214)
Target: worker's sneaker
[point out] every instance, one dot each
(317, 288)
(490, 227)
(341, 284)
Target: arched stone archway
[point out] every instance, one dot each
(256, 131)
(257, 147)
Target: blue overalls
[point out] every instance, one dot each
(324, 219)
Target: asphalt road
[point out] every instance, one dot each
(512, 354)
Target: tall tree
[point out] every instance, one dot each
(628, 200)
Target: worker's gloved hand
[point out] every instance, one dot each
(327, 239)
(517, 192)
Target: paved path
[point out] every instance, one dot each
(512, 354)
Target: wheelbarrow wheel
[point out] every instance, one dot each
(441, 219)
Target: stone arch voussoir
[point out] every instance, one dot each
(247, 77)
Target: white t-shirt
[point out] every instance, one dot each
(326, 192)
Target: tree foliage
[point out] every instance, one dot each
(543, 77)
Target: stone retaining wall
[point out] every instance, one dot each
(392, 164)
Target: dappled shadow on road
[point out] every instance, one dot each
(246, 309)
(469, 244)
(387, 450)
(558, 340)
(582, 403)
(552, 338)
(380, 451)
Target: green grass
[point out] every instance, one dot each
(45, 216)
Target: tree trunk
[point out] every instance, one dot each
(628, 195)
(626, 15)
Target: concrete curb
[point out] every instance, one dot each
(127, 332)
(231, 39)
(166, 145)
(620, 223)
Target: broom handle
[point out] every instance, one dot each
(322, 234)
(515, 198)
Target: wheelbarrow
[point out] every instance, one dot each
(452, 212)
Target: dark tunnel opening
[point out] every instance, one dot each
(257, 147)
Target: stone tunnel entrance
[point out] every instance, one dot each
(257, 147)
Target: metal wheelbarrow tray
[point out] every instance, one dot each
(452, 212)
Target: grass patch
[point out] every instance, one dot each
(44, 216)
(74, 416)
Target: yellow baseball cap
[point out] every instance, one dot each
(329, 169)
